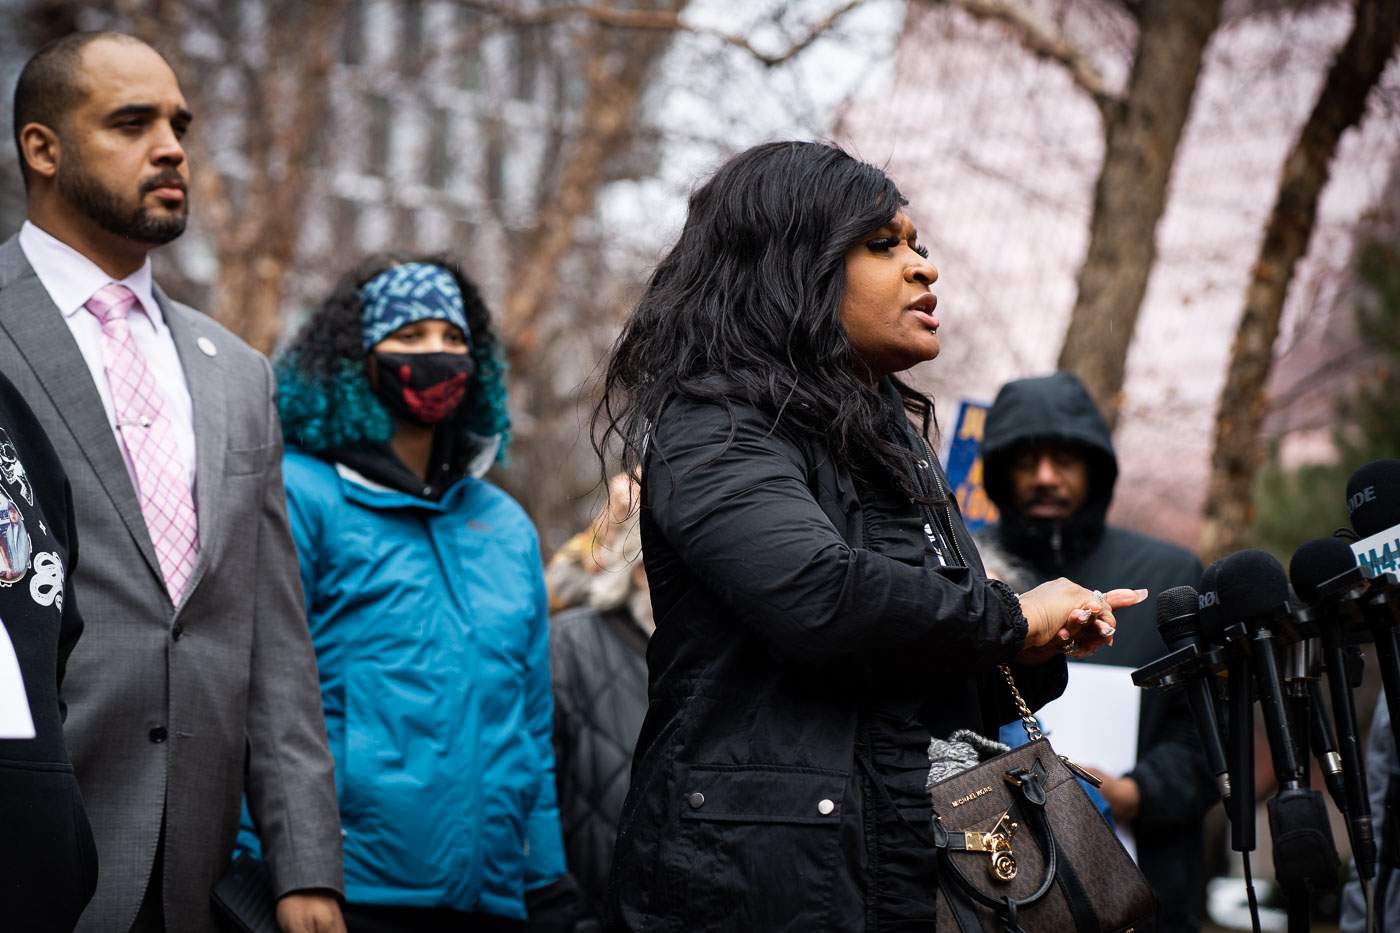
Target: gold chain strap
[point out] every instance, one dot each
(1027, 717)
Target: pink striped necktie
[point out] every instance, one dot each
(161, 479)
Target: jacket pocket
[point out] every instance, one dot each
(755, 849)
(762, 794)
(406, 822)
(240, 461)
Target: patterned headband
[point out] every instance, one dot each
(414, 291)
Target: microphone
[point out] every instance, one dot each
(1239, 806)
(1208, 604)
(1311, 716)
(1251, 588)
(1373, 496)
(1302, 676)
(1325, 573)
(1373, 500)
(1324, 744)
(1325, 576)
(1179, 623)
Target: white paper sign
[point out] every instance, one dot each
(15, 719)
(1094, 723)
(1379, 553)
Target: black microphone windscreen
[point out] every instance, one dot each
(1317, 561)
(1208, 600)
(1252, 586)
(1373, 497)
(1178, 616)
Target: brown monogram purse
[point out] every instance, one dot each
(1022, 849)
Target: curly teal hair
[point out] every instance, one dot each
(324, 396)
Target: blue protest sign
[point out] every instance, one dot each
(964, 467)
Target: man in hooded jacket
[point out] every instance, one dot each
(1050, 468)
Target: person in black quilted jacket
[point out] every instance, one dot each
(597, 660)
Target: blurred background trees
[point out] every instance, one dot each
(537, 142)
(1341, 103)
(1095, 179)
(1307, 501)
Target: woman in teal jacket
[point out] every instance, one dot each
(427, 607)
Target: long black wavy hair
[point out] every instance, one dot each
(751, 293)
(323, 393)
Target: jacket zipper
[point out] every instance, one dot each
(947, 510)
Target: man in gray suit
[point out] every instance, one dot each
(195, 680)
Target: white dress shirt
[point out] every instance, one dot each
(71, 279)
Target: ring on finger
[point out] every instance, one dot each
(1099, 596)
(1070, 647)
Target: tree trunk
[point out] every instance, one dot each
(1340, 106)
(1141, 135)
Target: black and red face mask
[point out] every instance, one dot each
(423, 387)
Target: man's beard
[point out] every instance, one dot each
(102, 205)
(1048, 498)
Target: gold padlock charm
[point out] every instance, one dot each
(1003, 866)
(997, 844)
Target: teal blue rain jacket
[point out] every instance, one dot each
(429, 621)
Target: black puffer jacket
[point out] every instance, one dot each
(1170, 772)
(597, 661)
(803, 629)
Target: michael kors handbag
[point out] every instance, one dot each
(1022, 848)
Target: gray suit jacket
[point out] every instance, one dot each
(179, 712)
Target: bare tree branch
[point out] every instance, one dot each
(655, 20)
(1042, 39)
(616, 80)
(255, 239)
(1341, 104)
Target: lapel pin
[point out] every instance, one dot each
(207, 347)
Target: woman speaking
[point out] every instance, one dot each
(821, 612)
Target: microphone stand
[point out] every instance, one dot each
(1359, 823)
(1241, 725)
(1381, 616)
(1170, 674)
(1324, 743)
(1239, 807)
(1351, 608)
(1372, 612)
(1304, 856)
(1309, 713)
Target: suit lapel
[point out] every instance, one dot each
(34, 324)
(205, 378)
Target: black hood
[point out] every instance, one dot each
(381, 465)
(1053, 409)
